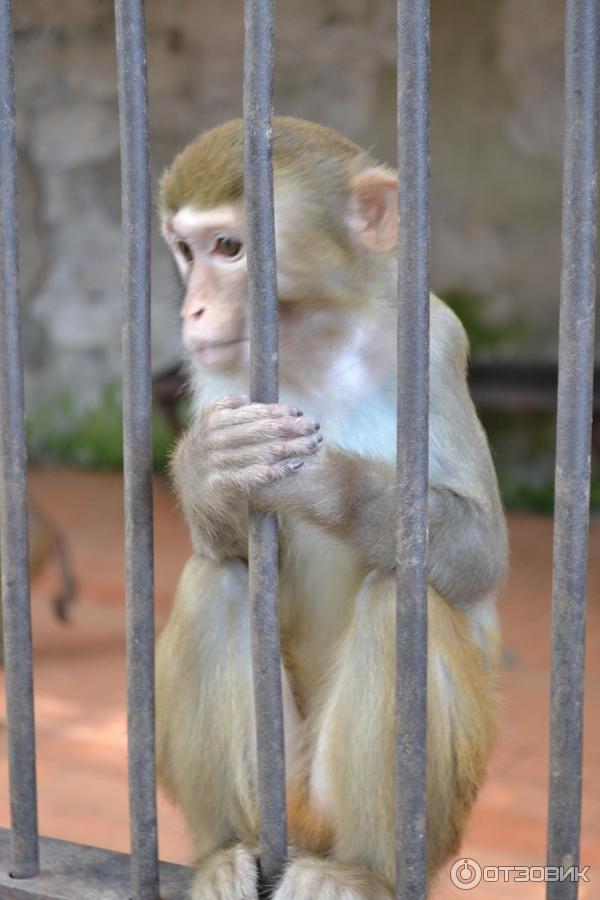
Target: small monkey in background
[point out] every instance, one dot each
(46, 544)
(324, 460)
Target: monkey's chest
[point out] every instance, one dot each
(318, 584)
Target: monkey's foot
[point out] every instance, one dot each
(310, 878)
(227, 875)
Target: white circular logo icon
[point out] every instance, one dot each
(465, 874)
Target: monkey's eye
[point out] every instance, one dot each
(227, 246)
(185, 250)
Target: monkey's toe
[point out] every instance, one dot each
(310, 877)
(227, 875)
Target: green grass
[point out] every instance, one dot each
(93, 439)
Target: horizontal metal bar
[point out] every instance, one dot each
(14, 540)
(77, 872)
(573, 435)
(137, 444)
(263, 541)
(412, 447)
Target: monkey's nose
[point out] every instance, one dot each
(193, 314)
(193, 307)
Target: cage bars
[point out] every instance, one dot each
(137, 444)
(412, 445)
(68, 869)
(573, 435)
(263, 539)
(14, 539)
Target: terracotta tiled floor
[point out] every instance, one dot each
(80, 685)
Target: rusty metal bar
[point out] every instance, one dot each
(263, 545)
(137, 445)
(412, 446)
(14, 540)
(573, 435)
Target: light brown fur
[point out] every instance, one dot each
(333, 488)
(218, 785)
(308, 829)
(209, 172)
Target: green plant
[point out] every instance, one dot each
(56, 433)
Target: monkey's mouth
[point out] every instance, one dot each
(212, 345)
(218, 354)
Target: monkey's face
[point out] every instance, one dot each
(325, 252)
(209, 250)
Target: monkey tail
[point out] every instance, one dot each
(68, 595)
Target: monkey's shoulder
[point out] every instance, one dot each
(449, 343)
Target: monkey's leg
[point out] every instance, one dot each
(206, 728)
(352, 774)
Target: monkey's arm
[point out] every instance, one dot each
(355, 498)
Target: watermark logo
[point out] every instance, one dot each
(466, 874)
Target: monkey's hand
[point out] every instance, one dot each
(231, 450)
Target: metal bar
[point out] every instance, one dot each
(573, 435)
(75, 871)
(412, 446)
(137, 445)
(14, 540)
(263, 544)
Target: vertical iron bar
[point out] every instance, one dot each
(412, 446)
(14, 539)
(137, 445)
(263, 545)
(573, 437)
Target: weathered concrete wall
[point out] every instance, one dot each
(497, 71)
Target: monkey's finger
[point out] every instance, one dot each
(251, 412)
(298, 447)
(261, 431)
(268, 453)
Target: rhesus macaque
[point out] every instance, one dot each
(46, 544)
(324, 460)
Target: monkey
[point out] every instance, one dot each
(47, 543)
(322, 459)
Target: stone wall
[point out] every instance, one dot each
(496, 131)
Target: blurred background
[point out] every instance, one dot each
(497, 73)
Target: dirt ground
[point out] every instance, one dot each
(80, 691)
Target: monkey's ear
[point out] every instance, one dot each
(374, 213)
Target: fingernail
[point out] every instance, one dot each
(295, 463)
